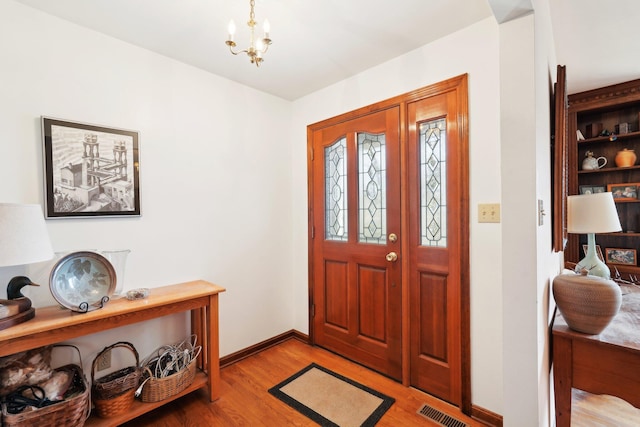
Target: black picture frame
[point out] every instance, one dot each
(90, 170)
(586, 189)
(592, 189)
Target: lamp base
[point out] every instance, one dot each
(591, 262)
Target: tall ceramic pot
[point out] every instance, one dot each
(587, 303)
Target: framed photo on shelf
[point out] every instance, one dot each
(621, 256)
(586, 189)
(624, 191)
(90, 170)
(598, 251)
(592, 189)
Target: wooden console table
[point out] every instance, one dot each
(608, 363)
(54, 324)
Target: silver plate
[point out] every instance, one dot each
(80, 281)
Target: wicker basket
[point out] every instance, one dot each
(157, 389)
(114, 393)
(71, 412)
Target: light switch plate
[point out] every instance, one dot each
(489, 212)
(541, 212)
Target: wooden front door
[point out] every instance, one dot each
(389, 238)
(357, 297)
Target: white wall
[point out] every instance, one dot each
(527, 66)
(214, 171)
(549, 263)
(518, 162)
(473, 50)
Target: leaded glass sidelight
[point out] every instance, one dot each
(335, 192)
(433, 183)
(372, 189)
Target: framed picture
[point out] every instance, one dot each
(598, 251)
(624, 191)
(90, 170)
(586, 189)
(621, 256)
(599, 189)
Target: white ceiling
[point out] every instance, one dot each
(320, 42)
(598, 41)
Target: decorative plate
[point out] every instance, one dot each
(82, 281)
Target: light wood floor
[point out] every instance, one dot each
(591, 410)
(245, 401)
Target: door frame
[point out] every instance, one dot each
(458, 84)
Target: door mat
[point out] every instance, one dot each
(332, 400)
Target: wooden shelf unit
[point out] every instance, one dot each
(605, 109)
(54, 324)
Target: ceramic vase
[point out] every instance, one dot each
(625, 158)
(587, 303)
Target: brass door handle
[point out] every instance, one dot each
(392, 257)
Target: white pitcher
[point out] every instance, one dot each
(592, 163)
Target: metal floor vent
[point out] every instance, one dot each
(439, 417)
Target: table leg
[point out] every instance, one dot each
(213, 347)
(197, 326)
(562, 380)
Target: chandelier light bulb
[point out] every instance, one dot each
(232, 29)
(267, 27)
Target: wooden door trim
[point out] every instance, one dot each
(560, 183)
(424, 92)
(465, 273)
(459, 84)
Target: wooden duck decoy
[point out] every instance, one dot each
(16, 308)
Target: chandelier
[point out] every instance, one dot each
(257, 47)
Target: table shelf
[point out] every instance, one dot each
(52, 325)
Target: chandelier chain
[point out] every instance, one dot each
(252, 15)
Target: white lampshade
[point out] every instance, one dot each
(592, 213)
(23, 235)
